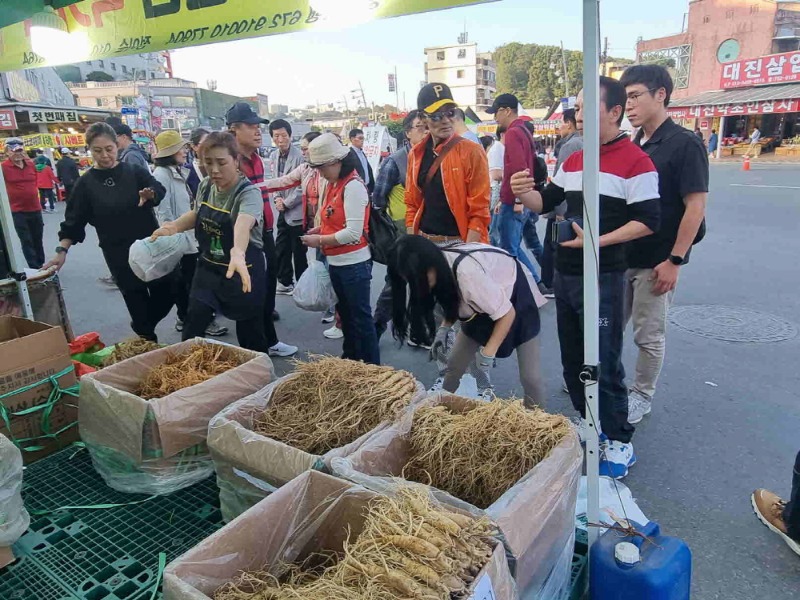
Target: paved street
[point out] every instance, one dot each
(705, 447)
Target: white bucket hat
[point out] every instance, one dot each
(326, 149)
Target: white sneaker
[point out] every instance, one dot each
(334, 333)
(329, 316)
(581, 427)
(284, 290)
(437, 386)
(638, 406)
(615, 459)
(281, 349)
(486, 394)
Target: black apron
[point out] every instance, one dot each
(214, 232)
(526, 324)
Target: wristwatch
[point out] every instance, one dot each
(676, 260)
(61, 250)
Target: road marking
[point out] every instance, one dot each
(781, 187)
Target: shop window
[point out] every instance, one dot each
(440, 55)
(183, 101)
(165, 100)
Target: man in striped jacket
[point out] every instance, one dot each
(629, 209)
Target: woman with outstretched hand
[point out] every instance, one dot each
(117, 199)
(483, 287)
(231, 271)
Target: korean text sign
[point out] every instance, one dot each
(775, 68)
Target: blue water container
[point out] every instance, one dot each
(630, 568)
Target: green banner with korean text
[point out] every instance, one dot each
(106, 28)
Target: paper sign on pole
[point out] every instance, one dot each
(120, 27)
(375, 142)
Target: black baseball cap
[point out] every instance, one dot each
(434, 96)
(503, 101)
(242, 112)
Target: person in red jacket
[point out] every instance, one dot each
(45, 180)
(23, 196)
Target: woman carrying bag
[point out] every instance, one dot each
(342, 237)
(231, 270)
(484, 288)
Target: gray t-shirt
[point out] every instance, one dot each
(247, 202)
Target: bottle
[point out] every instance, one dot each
(632, 568)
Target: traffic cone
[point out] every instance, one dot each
(746, 164)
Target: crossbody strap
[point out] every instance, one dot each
(438, 161)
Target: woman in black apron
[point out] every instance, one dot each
(231, 273)
(484, 288)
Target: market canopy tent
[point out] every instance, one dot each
(104, 28)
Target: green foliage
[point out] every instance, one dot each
(395, 128)
(525, 71)
(99, 76)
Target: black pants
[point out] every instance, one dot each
(249, 332)
(30, 230)
(383, 308)
(547, 261)
(148, 303)
(46, 195)
(68, 190)
(613, 395)
(183, 283)
(272, 281)
(791, 514)
(290, 249)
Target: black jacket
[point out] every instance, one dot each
(109, 201)
(67, 171)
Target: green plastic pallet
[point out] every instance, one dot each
(100, 554)
(577, 582)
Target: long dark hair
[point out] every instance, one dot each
(350, 163)
(413, 299)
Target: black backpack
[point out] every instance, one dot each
(382, 234)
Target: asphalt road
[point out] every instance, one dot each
(705, 447)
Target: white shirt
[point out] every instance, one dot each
(496, 155)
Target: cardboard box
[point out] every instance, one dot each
(31, 352)
(310, 514)
(536, 515)
(158, 446)
(250, 465)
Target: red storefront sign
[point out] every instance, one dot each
(775, 68)
(761, 107)
(8, 120)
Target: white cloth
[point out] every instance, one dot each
(496, 155)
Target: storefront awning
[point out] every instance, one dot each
(787, 91)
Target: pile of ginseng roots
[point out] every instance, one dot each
(199, 363)
(128, 349)
(478, 454)
(410, 547)
(330, 402)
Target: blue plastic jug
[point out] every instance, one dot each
(630, 568)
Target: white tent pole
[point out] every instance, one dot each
(591, 253)
(14, 250)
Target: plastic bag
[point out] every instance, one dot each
(314, 290)
(14, 519)
(154, 260)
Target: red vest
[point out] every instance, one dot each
(333, 218)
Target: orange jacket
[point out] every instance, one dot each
(465, 175)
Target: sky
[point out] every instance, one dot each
(311, 67)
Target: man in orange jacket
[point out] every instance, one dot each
(447, 199)
(447, 188)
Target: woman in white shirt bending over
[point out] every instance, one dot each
(484, 288)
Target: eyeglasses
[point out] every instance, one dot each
(633, 98)
(438, 116)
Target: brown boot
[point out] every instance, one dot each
(769, 510)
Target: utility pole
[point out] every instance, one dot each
(363, 97)
(346, 108)
(605, 55)
(396, 90)
(564, 64)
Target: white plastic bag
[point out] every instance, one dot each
(153, 260)
(314, 290)
(14, 518)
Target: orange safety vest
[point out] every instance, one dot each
(333, 219)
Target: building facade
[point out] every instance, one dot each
(736, 66)
(152, 65)
(470, 74)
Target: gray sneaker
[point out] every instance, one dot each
(284, 290)
(214, 329)
(638, 406)
(437, 386)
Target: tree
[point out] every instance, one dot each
(395, 128)
(99, 76)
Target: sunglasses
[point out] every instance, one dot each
(438, 116)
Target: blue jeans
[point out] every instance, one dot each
(510, 226)
(613, 394)
(352, 286)
(531, 236)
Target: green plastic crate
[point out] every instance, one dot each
(578, 579)
(100, 554)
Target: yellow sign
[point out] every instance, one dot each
(50, 140)
(111, 28)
